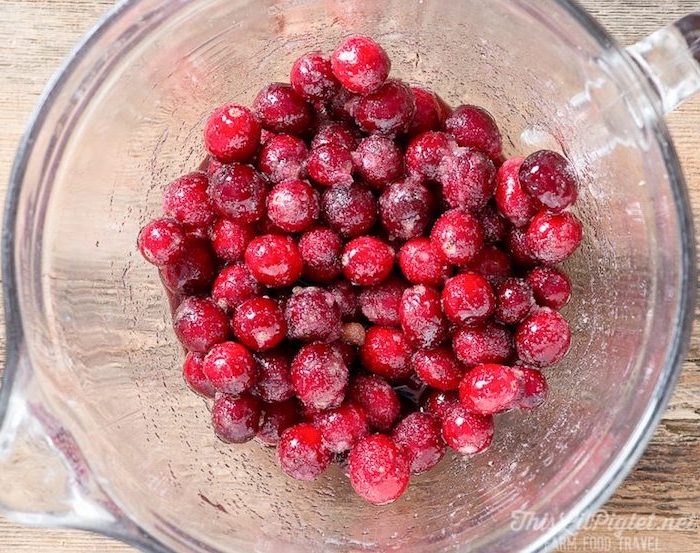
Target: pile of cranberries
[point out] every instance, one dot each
(358, 275)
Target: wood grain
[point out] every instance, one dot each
(37, 34)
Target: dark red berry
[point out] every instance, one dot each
(319, 376)
(282, 157)
(161, 241)
(378, 400)
(312, 315)
(420, 264)
(274, 382)
(338, 134)
(259, 324)
(274, 260)
(230, 368)
(379, 161)
(543, 338)
(534, 388)
(230, 239)
(277, 417)
(350, 210)
(379, 470)
(321, 249)
(346, 298)
(514, 300)
(489, 389)
(549, 178)
(422, 319)
(234, 285)
(343, 427)
(406, 208)
(367, 260)
(438, 368)
(493, 264)
(550, 286)
(495, 226)
(232, 133)
(186, 199)
(343, 105)
(360, 64)
(468, 179)
(236, 419)
(465, 432)
(428, 116)
(420, 437)
(293, 205)
(199, 324)
(238, 192)
(517, 246)
(553, 237)
(457, 236)
(425, 153)
(439, 402)
(312, 78)
(490, 343)
(282, 110)
(474, 127)
(301, 453)
(380, 303)
(512, 201)
(193, 271)
(468, 299)
(387, 353)
(193, 372)
(329, 165)
(387, 111)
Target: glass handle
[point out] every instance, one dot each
(670, 58)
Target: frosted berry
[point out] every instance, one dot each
(406, 208)
(293, 205)
(282, 158)
(282, 110)
(468, 179)
(425, 153)
(321, 248)
(438, 368)
(360, 64)
(420, 264)
(420, 437)
(378, 468)
(230, 368)
(276, 418)
(549, 178)
(465, 432)
(199, 324)
(543, 338)
(439, 402)
(379, 161)
(346, 298)
(534, 388)
(274, 260)
(422, 318)
(474, 127)
(232, 133)
(301, 453)
(193, 372)
(429, 114)
(329, 165)
(553, 237)
(489, 389)
(238, 192)
(493, 264)
(312, 315)
(343, 427)
(259, 324)
(312, 78)
(489, 343)
(186, 199)
(550, 286)
(319, 376)
(468, 299)
(367, 260)
(518, 247)
(514, 300)
(193, 271)
(457, 236)
(343, 105)
(351, 210)
(236, 419)
(230, 239)
(513, 202)
(161, 241)
(378, 400)
(387, 353)
(338, 134)
(387, 111)
(380, 303)
(274, 382)
(234, 285)
(495, 226)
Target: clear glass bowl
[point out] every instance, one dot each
(99, 431)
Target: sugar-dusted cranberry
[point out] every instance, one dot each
(543, 338)
(209, 165)
(387, 353)
(233, 286)
(301, 453)
(468, 178)
(465, 432)
(387, 111)
(343, 105)
(493, 264)
(186, 199)
(514, 300)
(312, 78)
(378, 400)
(549, 178)
(420, 437)
(230, 368)
(193, 372)
(533, 388)
(293, 205)
(230, 239)
(378, 160)
(468, 299)
(550, 286)
(420, 264)
(236, 419)
(232, 133)
(439, 402)
(517, 246)
(367, 260)
(338, 134)
(438, 368)
(378, 468)
(347, 348)
(274, 382)
(161, 241)
(553, 237)
(282, 110)
(238, 192)
(457, 236)
(259, 324)
(321, 249)
(346, 298)
(405, 209)
(276, 418)
(490, 388)
(319, 376)
(425, 153)
(193, 271)
(360, 64)
(313, 315)
(343, 427)
(380, 303)
(199, 324)
(350, 209)
(422, 319)
(282, 157)
(489, 343)
(428, 116)
(513, 202)
(329, 165)
(474, 127)
(274, 260)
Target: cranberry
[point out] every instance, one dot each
(387, 111)
(468, 179)
(193, 271)
(193, 372)
(236, 419)
(274, 260)
(233, 286)
(489, 389)
(420, 437)
(421, 315)
(346, 298)
(282, 110)
(550, 179)
(378, 468)
(387, 353)
(438, 368)
(283, 157)
(378, 161)
(495, 226)
(350, 210)
(425, 152)
(301, 453)
(312, 78)
(360, 64)
(405, 209)
(321, 249)
(428, 116)
(313, 315)
(199, 324)
(439, 402)
(474, 127)
(514, 300)
(337, 134)
(457, 236)
(520, 251)
(543, 338)
(465, 432)
(329, 165)
(186, 200)
(293, 205)
(490, 343)
(550, 287)
(259, 324)
(232, 134)
(512, 201)
(380, 303)
(493, 264)
(343, 105)
(319, 376)
(161, 241)
(230, 239)
(367, 260)
(347, 349)
(468, 299)
(277, 417)
(553, 237)
(274, 381)
(343, 427)
(420, 264)
(238, 192)
(230, 368)
(377, 399)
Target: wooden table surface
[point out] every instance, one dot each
(658, 506)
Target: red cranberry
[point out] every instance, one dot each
(274, 260)
(232, 134)
(347, 349)
(343, 427)
(428, 116)
(512, 201)
(550, 179)
(238, 192)
(438, 368)
(193, 371)
(282, 110)
(236, 419)
(386, 353)
(490, 343)
(493, 264)
(277, 417)
(301, 453)
(457, 236)
(534, 388)
(514, 300)
(337, 134)
(387, 111)
(274, 381)
(465, 432)
(468, 299)
(319, 376)
(343, 105)
(329, 165)
(360, 64)
(420, 264)
(379, 470)
(425, 152)
(543, 338)
(367, 260)
(439, 402)
(186, 200)
(199, 324)
(321, 249)
(350, 210)
(378, 161)
(518, 247)
(420, 437)
(553, 237)
(421, 315)
(346, 298)
(161, 241)
(293, 205)
(312, 78)
(380, 303)
(313, 315)
(495, 226)
(405, 209)
(377, 399)
(550, 286)
(193, 271)
(282, 157)
(230, 368)
(259, 324)
(474, 127)
(233, 286)
(468, 179)
(230, 239)
(489, 389)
